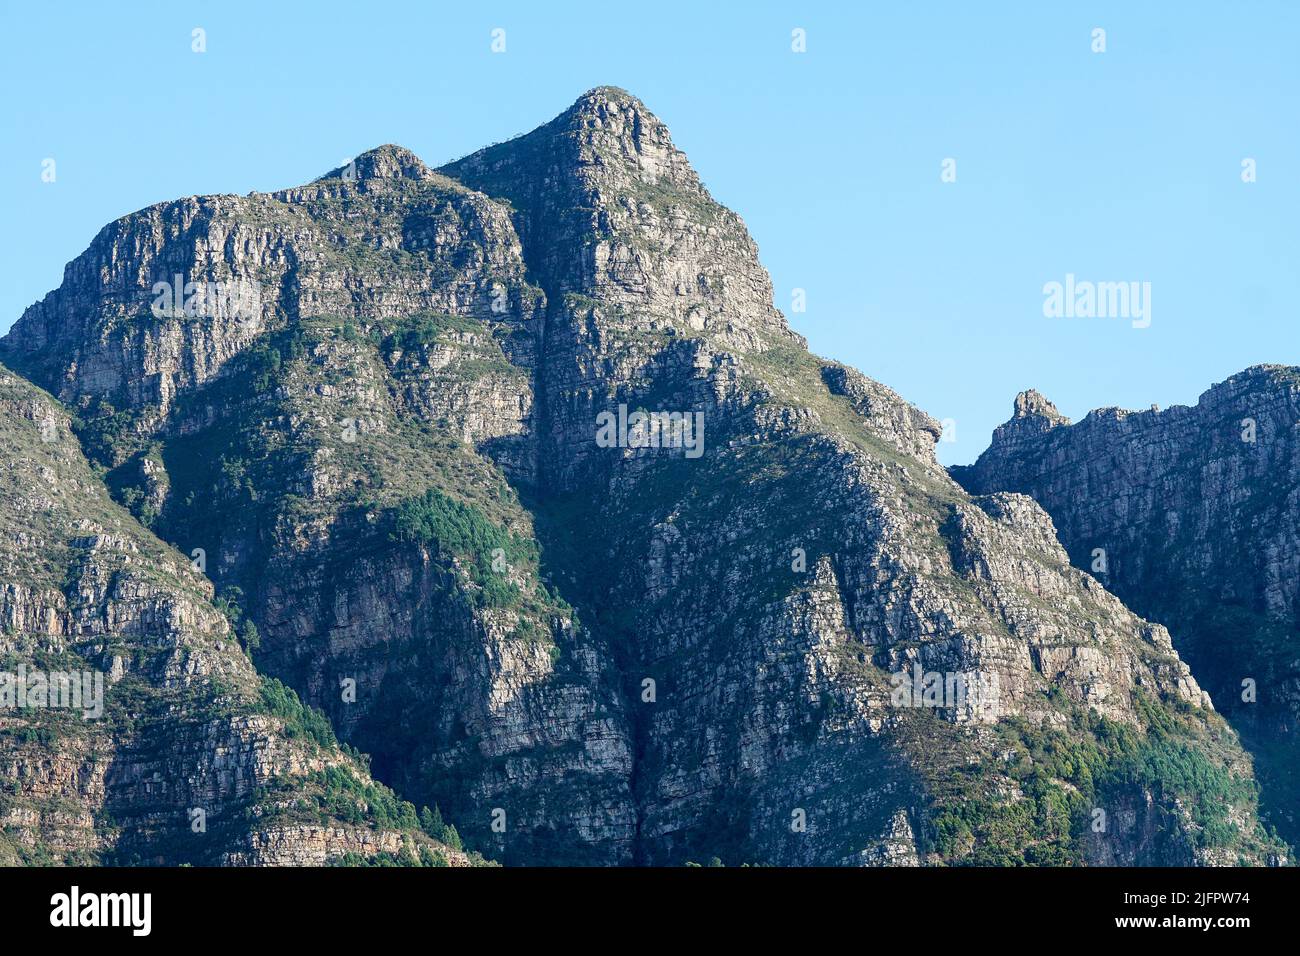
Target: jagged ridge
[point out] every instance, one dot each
(1197, 510)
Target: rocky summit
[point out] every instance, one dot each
(498, 503)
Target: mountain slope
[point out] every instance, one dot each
(177, 751)
(1198, 513)
(600, 644)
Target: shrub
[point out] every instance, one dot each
(299, 719)
(460, 530)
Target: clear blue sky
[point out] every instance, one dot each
(1118, 166)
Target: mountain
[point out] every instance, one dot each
(527, 486)
(1197, 511)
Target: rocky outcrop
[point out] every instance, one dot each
(523, 480)
(163, 298)
(1192, 517)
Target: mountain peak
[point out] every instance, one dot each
(600, 95)
(612, 126)
(607, 136)
(389, 161)
(601, 102)
(1034, 404)
(606, 201)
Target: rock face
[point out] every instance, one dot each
(175, 751)
(1192, 517)
(526, 484)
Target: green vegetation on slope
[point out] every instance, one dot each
(1066, 775)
